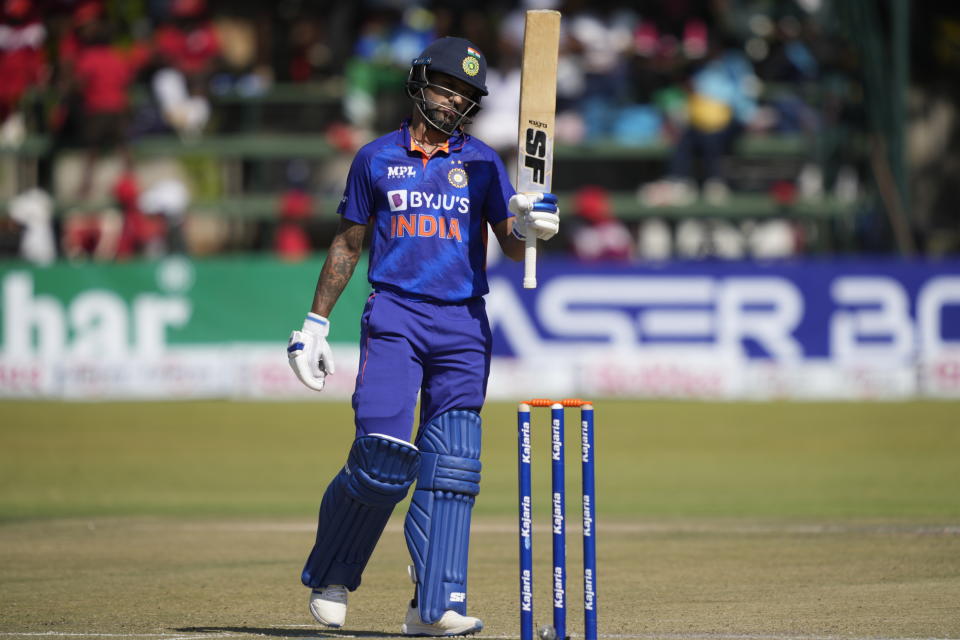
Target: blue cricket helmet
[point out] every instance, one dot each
(455, 57)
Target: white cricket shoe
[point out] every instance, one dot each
(450, 623)
(328, 605)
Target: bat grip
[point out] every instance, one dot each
(530, 261)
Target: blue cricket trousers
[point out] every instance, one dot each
(440, 349)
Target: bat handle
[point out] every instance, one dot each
(530, 262)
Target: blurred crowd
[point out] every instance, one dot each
(69, 71)
(689, 78)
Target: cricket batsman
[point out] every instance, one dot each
(427, 192)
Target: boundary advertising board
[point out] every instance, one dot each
(837, 329)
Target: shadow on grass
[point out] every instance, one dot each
(283, 632)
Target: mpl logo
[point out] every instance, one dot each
(401, 172)
(397, 199)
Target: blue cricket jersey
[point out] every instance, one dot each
(429, 216)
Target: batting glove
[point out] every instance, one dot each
(309, 352)
(537, 212)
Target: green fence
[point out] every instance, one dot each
(172, 302)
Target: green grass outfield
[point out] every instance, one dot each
(715, 520)
(653, 458)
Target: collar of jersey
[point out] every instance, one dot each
(453, 143)
(445, 147)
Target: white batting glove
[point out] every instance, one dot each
(538, 212)
(309, 352)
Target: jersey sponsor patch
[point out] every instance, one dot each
(397, 199)
(402, 199)
(401, 172)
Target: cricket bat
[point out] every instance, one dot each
(538, 104)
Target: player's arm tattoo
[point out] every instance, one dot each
(339, 265)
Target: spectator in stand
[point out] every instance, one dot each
(676, 29)
(22, 64)
(33, 212)
(792, 65)
(71, 40)
(167, 202)
(602, 38)
(91, 234)
(66, 115)
(386, 42)
(291, 241)
(188, 50)
(141, 234)
(721, 102)
(102, 72)
(597, 234)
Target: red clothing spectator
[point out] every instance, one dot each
(597, 234)
(141, 233)
(104, 73)
(187, 48)
(91, 235)
(295, 204)
(23, 63)
(85, 16)
(190, 49)
(292, 241)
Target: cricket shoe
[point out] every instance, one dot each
(328, 605)
(450, 623)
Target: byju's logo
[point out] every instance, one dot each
(397, 200)
(401, 200)
(401, 172)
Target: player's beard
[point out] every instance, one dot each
(443, 119)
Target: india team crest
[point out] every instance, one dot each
(471, 66)
(457, 177)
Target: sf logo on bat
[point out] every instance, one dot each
(535, 151)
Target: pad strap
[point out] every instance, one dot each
(437, 528)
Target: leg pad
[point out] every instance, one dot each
(437, 527)
(356, 507)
